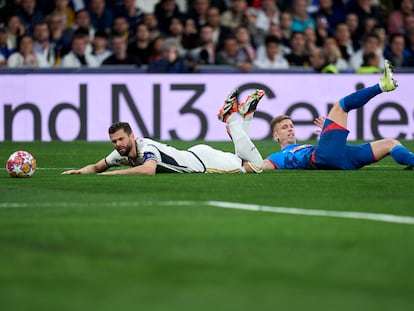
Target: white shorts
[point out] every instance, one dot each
(217, 161)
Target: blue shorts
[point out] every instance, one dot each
(333, 153)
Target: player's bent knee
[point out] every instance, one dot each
(395, 142)
(390, 143)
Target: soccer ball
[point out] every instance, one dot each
(21, 164)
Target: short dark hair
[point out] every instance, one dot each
(368, 57)
(20, 39)
(272, 39)
(115, 127)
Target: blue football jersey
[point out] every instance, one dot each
(293, 157)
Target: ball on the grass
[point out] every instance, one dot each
(21, 164)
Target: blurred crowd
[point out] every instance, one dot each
(327, 36)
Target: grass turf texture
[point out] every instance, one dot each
(89, 242)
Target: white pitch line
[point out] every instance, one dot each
(240, 206)
(314, 212)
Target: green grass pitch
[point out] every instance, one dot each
(89, 242)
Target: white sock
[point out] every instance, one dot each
(246, 124)
(245, 148)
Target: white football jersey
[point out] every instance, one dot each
(197, 159)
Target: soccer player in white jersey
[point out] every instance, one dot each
(148, 157)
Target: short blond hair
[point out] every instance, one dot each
(276, 120)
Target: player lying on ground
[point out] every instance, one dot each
(332, 151)
(147, 156)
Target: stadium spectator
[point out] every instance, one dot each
(100, 47)
(165, 10)
(3, 61)
(245, 43)
(79, 55)
(205, 53)
(120, 55)
(60, 37)
(383, 38)
(62, 7)
(176, 31)
(42, 45)
(26, 57)
(285, 29)
(14, 29)
(301, 19)
(319, 61)
(273, 58)
(141, 45)
(101, 17)
(408, 23)
(267, 14)
(369, 25)
(198, 12)
(29, 15)
(333, 11)
(365, 9)
(219, 31)
(190, 38)
(120, 27)
(298, 56)
(156, 48)
(233, 55)
(233, 17)
(151, 21)
(345, 43)
(220, 4)
(332, 151)
(410, 40)
(83, 21)
(370, 44)
(149, 157)
(351, 20)
(277, 32)
(397, 53)
(5, 50)
(133, 13)
(310, 39)
(370, 63)
(322, 28)
(249, 21)
(331, 48)
(170, 61)
(396, 20)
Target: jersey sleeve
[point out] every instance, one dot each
(115, 159)
(150, 152)
(273, 159)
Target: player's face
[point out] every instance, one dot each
(122, 142)
(285, 132)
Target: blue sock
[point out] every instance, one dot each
(402, 155)
(359, 98)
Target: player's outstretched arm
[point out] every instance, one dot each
(148, 168)
(98, 167)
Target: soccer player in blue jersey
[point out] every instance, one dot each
(332, 150)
